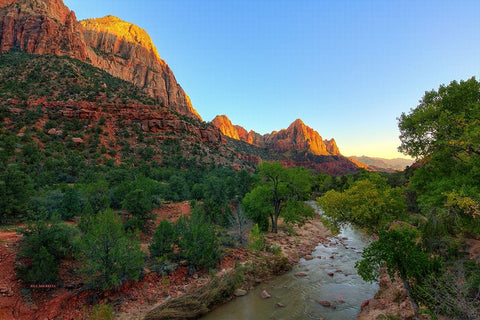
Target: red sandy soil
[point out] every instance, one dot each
(171, 211)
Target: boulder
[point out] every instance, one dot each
(265, 294)
(239, 293)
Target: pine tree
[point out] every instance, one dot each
(111, 256)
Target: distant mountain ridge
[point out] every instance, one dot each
(297, 137)
(384, 164)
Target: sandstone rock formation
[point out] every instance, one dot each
(120, 48)
(126, 51)
(40, 27)
(298, 137)
(227, 128)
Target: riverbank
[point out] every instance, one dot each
(293, 244)
(391, 301)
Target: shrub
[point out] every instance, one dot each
(163, 240)
(257, 241)
(197, 241)
(110, 255)
(43, 269)
(45, 244)
(102, 312)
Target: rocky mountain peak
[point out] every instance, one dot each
(297, 137)
(127, 51)
(124, 30)
(223, 123)
(298, 123)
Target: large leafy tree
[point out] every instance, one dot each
(445, 121)
(369, 203)
(280, 192)
(443, 133)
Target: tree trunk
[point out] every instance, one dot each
(414, 304)
(274, 223)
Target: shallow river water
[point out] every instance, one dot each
(344, 289)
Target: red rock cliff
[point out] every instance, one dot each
(228, 129)
(120, 48)
(126, 51)
(40, 27)
(331, 146)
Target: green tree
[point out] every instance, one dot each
(442, 132)
(43, 269)
(198, 242)
(45, 244)
(446, 120)
(96, 194)
(257, 240)
(15, 189)
(281, 188)
(139, 203)
(163, 240)
(398, 251)
(71, 204)
(110, 255)
(178, 188)
(369, 203)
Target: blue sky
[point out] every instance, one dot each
(348, 69)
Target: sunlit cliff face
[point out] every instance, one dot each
(297, 136)
(127, 51)
(122, 29)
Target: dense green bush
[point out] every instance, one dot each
(197, 242)
(163, 240)
(110, 255)
(45, 244)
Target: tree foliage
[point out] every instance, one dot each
(369, 203)
(46, 244)
(399, 252)
(163, 240)
(197, 241)
(281, 191)
(110, 255)
(443, 132)
(446, 120)
(15, 189)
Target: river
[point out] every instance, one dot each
(330, 278)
